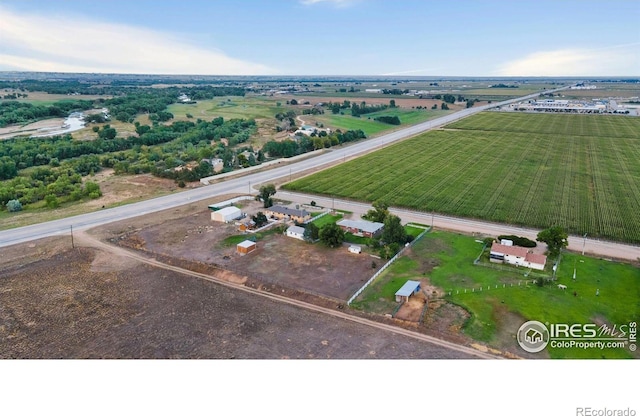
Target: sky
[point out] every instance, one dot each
(323, 37)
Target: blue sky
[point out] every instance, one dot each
(323, 37)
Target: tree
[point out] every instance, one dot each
(311, 232)
(393, 231)
(51, 201)
(556, 238)
(332, 235)
(259, 219)
(444, 106)
(266, 192)
(379, 212)
(392, 103)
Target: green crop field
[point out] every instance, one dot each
(537, 170)
(446, 259)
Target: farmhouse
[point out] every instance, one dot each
(361, 228)
(246, 247)
(227, 214)
(295, 232)
(280, 212)
(408, 289)
(518, 256)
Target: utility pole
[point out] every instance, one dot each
(72, 245)
(584, 242)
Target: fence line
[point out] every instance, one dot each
(386, 265)
(522, 283)
(316, 217)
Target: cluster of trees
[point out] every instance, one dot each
(13, 112)
(336, 107)
(394, 91)
(14, 96)
(287, 121)
(393, 237)
(395, 120)
(289, 148)
(191, 142)
(21, 153)
(363, 108)
(53, 185)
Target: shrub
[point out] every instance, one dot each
(518, 241)
(14, 205)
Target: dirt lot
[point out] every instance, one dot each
(84, 303)
(278, 260)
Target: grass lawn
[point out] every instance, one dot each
(369, 126)
(446, 259)
(228, 108)
(327, 219)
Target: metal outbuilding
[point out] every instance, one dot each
(226, 214)
(408, 289)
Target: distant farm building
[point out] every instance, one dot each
(408, 289)
(246, 247)
(227, 214)
(295, 232)
(361, 228)
(518, 256)
(280, 212)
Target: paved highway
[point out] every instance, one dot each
(235, 185)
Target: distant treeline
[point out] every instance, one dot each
(504, 86)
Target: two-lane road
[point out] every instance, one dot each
(230, 186)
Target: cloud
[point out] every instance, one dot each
(78, 44)
(615, 60)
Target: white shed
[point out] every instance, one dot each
(226, 214)
(355, 249)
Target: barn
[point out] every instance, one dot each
(226, 214)
(246, 247)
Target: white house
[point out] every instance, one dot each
(226, 214)
(295, 232)
(518, 256)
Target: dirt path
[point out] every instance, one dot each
(85, 239)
